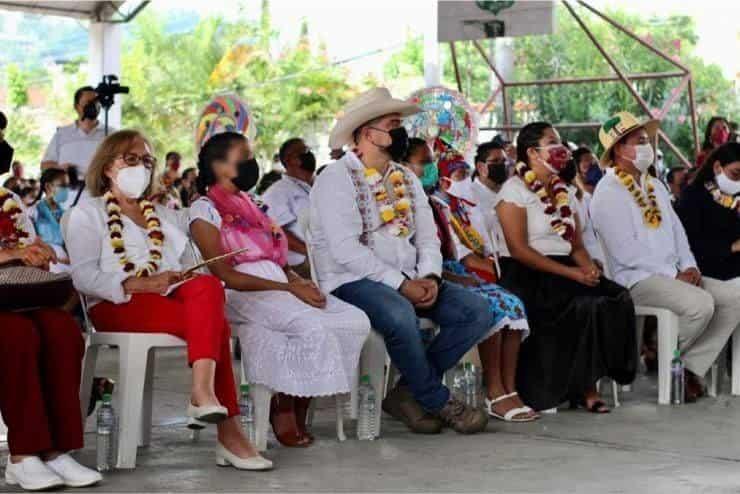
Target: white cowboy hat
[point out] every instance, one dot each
(365, 107)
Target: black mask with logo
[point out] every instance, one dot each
(399, 143)
(248, 174)
(91, 111)
(308, 161)
(497, 172)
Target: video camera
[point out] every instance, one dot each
(108, 89)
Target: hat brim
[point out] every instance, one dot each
(341, 134)
(651, 127)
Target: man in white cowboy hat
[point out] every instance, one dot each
(375, 245)
(648, 250)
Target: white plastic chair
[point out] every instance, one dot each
(3, 430)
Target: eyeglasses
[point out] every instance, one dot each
(131, 159)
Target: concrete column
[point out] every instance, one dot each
(432, 68)
(104, 57)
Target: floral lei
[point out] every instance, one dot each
(650, 210)
(13, 233)
(154, 234)
(560, 214)
(460, 221)
(724, 200)
(395, 214)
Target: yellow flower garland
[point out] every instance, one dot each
(650, 211)
(392, 213)
(724, 200)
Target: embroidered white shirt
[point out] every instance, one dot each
(287, 199)
(337, 210)
(96, 269)
(487, 201)
(581, 208)
(635, 252)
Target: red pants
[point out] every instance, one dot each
(193, 312)
(40, 362)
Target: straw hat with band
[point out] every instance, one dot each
(364, 108)
(618, 127)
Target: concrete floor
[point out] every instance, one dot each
(640, 447)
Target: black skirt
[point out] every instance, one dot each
(579, 334)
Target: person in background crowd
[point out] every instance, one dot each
(6, 150)
(28, 195)
(589, 172)
(648, 250)
(660, 166)
(75, 144)
(420, 160)
(166, 193)
(17, 171)
(294, 339)
(716, 133)
(336, 154)
(581, 201)
(375, 246)
(40, 361)
(188, 189)
(172, 163)
(491, 173)
(582, 324)
(677, 179)
(125, 255)
(470, 257)
(509, 149)
(268, 180)
(734, 133)
(710, 211)
(287, 200)
(12, 184)
(50, 208)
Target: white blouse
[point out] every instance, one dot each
(541, 236)
(96, 269)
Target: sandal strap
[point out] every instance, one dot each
(490, 403)
(514, 412)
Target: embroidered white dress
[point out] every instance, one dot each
(288, 345)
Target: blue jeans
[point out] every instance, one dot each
(464, 319)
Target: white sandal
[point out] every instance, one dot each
(509, 416)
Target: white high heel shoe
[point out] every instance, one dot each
(210, 414)
(225, 458)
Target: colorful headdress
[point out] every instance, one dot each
(225, 113)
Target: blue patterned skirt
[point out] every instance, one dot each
(506, 308)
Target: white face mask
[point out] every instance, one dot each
(727, 185)
(462, 190)
(644, 157)
(133, 180)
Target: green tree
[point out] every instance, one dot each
(17, 84)
(22, 132)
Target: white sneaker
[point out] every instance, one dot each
(72, 473)
(31, 474)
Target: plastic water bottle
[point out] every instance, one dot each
(456, 382)
(106, 435)
(471, 385)
(677, 379)
(246, 413)
(367, 429)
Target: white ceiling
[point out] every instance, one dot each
(90, 10)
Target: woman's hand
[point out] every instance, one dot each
(589, 276)
(158, 283)
(308, 292)
(38, 255)
(735, 246)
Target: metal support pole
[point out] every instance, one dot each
(454, 64)
(674, 149)
(694, 125)
(606, 78)
(673, 97)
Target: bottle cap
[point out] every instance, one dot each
(244, 388)
(365, 379)
(107, 398)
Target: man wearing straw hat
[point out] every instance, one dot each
(375, 245)
(648, 251)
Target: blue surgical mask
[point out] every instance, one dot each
(593, 175)
(61, 195)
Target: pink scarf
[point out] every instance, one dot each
(243, 224)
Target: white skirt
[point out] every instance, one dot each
(292, 347)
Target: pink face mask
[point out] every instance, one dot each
(720, 136)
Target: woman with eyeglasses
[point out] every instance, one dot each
(125, 254)
(582, 324)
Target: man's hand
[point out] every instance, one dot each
(692, 276)
(431, 296)
(414, 290)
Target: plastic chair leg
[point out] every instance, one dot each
(736, 363)
(132, 364)
(145, 431)
(373, 361)
(261, 396)
(667, 344)
(339, 404)
(88, 374)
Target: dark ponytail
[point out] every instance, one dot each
(215, 149)
(49, 175)
(529, 137)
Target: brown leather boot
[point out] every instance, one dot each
(283, 421)
(463, 418)
(401, 405)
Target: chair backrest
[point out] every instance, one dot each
(64, 224)
(304, 223)
(608, 270)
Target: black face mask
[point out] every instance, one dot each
(568, 174)
(91, 111)
(497, 172)
(249, 173)
(399, 143)
(308, 161)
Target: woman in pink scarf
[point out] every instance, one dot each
(295, 340)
